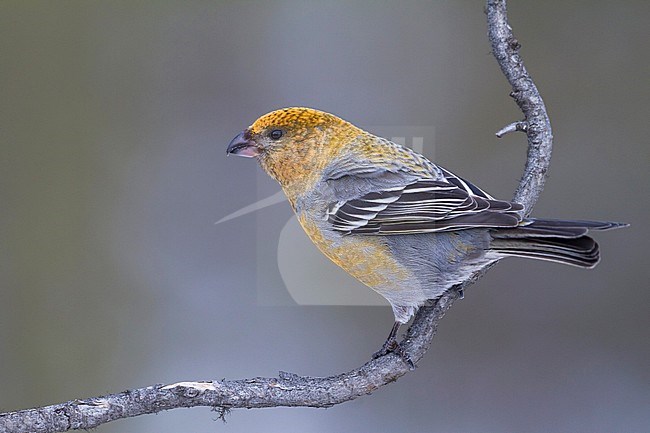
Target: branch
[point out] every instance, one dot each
(505, 48)
(513, 127)
(290, 389)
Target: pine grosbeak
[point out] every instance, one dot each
(402, 225)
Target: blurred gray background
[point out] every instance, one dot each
(114, 121)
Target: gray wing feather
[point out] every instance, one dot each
(361, 181)
(384, 203)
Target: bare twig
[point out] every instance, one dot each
(293, 390)
(519, 126)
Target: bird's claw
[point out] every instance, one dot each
(392, 346)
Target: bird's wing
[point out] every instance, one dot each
(359, 178)
(398, 206)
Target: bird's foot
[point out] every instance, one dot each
(392, 346)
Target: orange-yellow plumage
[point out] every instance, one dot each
(297, 117)
(367, 259)
(317, 138)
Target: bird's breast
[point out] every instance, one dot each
(367, 258)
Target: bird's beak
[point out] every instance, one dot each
(242, 145)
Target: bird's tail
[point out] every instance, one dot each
(560, 241)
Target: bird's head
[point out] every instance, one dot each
(293, 145)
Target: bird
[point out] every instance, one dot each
(402, 225)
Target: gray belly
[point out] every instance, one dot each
(441, 260)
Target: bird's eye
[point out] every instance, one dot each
(276, 134)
